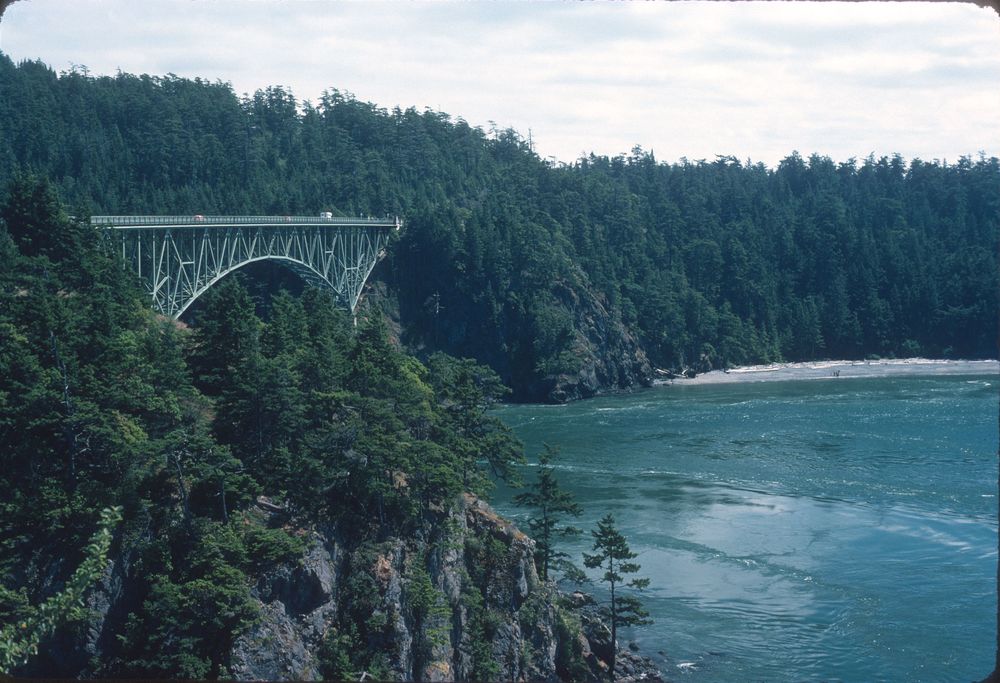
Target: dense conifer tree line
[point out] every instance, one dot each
(709, 262)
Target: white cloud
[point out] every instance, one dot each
(684, 79)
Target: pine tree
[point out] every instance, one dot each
(227, 333)
(551, 503)
(614, 555)
(36, 221)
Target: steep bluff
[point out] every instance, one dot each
(608, 356)
(459, 601)
(567, 346)
(486, 615)
(421, 605)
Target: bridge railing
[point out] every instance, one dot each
(198, 220)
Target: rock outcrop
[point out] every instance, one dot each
(460, 599)
(300, 604)
(596, 353)
(609, 356)
(481, 571)
(297, 605)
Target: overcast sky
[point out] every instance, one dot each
(684, 79)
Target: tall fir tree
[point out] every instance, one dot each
(550, 504)
(615, 557)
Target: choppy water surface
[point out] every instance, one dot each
(815, 530)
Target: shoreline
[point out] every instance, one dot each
(838, 369)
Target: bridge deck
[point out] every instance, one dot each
(120, 222)
(178, 258)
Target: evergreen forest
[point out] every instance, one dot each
(220, 448)
(506, 256)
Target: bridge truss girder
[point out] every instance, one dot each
(178, 263)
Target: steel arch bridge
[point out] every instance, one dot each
(178, 258)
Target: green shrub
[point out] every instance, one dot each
(269, 547)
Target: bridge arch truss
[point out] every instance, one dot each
(178, 258)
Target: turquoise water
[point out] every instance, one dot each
(841, 530)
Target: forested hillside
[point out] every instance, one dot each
(565, 279)
(287, 500)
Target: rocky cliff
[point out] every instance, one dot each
(463, 603)
(609, 357)
(460, 600)
(566, 346)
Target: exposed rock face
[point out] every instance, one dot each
(606, 355)
(595, 637)
(507, 593)
(297, 604)
(609, 355)
(485, 614)
(275, 649)
(69, 651)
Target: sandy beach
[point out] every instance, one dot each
(834, 369)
